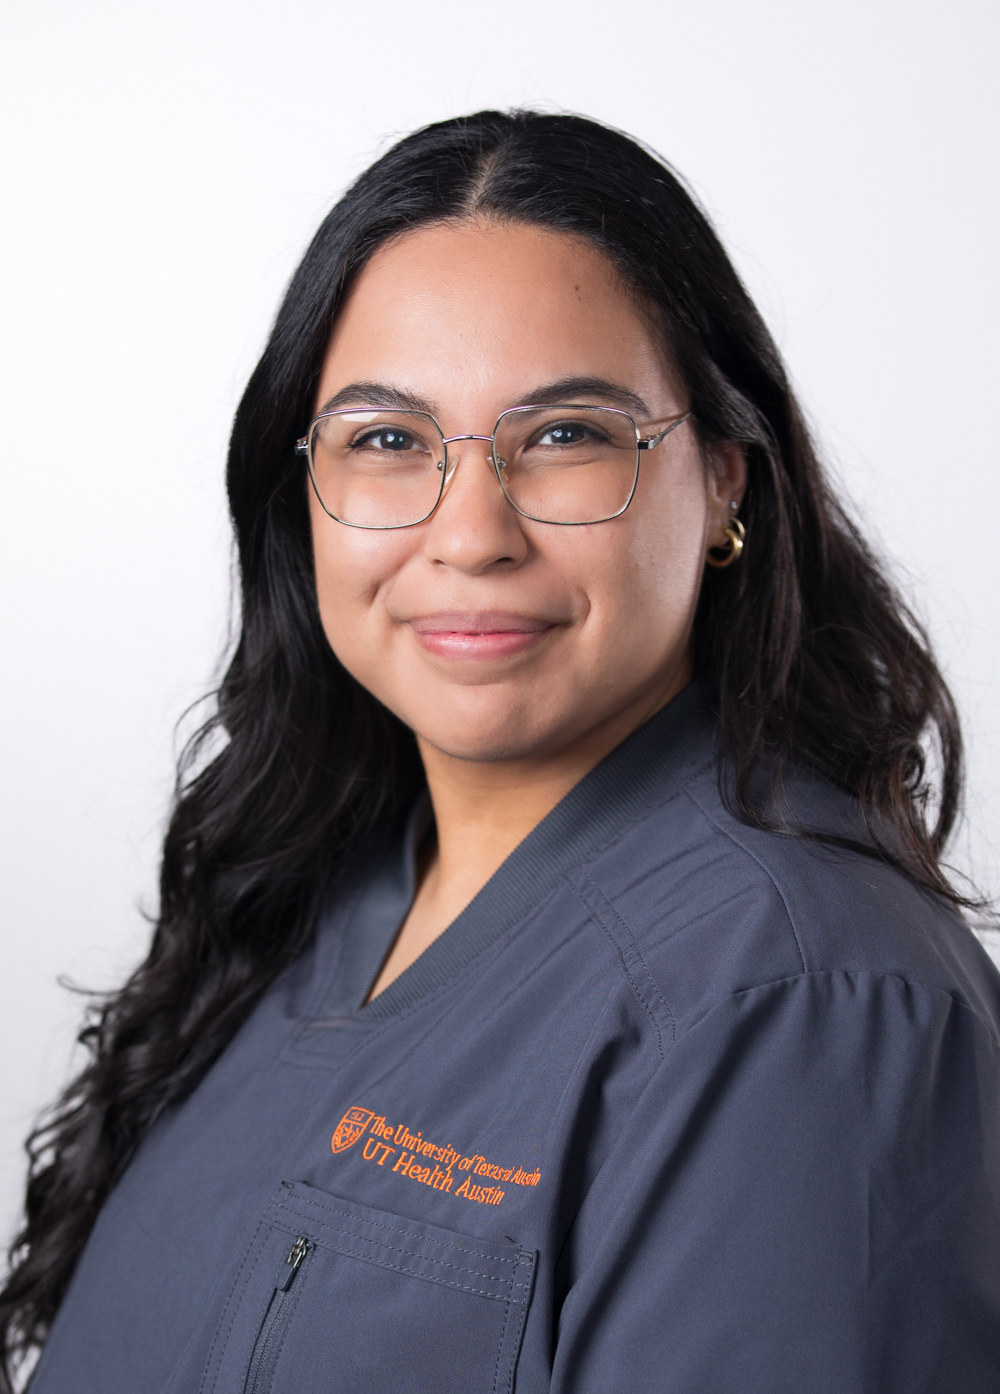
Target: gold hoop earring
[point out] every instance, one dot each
(736, 533)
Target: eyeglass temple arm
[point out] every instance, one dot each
(650, 442)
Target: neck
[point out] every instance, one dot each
(484, 809)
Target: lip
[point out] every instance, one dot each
(483, 635)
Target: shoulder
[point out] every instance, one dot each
(716, 909)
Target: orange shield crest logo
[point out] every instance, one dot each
(350, 1128)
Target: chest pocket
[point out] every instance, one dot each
(335, 1296)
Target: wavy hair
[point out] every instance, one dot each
(805, 649)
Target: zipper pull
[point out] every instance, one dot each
(293, 1263)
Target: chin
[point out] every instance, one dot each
(487, 736)
(488, 754)
(486, 747)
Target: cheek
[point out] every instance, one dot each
(352, 567)
(644, 577)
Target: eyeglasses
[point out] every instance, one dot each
(565, 464)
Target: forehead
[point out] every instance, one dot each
(489, 307)
(495, 258)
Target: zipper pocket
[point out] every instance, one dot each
(270, 1338)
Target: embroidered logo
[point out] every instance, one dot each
(411, 1155)
(350, 1128)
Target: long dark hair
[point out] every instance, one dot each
(805, 649)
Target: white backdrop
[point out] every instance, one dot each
(163, 168)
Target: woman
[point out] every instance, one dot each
(556, 983)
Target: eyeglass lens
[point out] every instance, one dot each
(386, 469)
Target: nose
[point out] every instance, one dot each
(474, 528)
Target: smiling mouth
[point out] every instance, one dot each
(487, 635)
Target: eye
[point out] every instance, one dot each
(386, 439)
(565, 433)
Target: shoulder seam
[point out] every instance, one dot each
(594, 914)
(627, 928)
(725, 832)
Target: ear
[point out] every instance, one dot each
(726, 483)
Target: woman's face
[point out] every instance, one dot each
(495, 637)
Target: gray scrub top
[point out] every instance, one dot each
(673, 1105)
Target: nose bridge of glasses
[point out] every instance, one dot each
(453, 457)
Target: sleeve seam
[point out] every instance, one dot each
(875, 975)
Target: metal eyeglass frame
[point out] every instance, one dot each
(303, 446)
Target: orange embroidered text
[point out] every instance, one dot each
(417, 1158)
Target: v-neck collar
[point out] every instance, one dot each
(635, 775)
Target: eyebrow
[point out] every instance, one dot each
(376, 394)
(564, 391)
(567, 390)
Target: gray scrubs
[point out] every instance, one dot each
(673, 1105)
